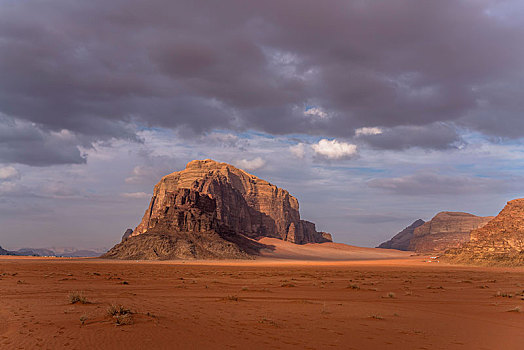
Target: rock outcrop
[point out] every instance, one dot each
(446, 230)
(214, 210)
(500, 241)
(127, 234)
(402, 240)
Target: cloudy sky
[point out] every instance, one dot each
(372, 113)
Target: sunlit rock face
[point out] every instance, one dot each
(446, 230)
(214, 210)
(500, 241)
(242, 202)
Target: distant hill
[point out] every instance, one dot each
(59, 252)
(402, 239)
(445, 230)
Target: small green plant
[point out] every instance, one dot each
(83, 319)
(77, 297)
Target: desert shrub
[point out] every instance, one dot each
(122, 320)
(288, 285)
(121, 315)
(117, 310)
(77, 297)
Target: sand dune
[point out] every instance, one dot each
(326, 251)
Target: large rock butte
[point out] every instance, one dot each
(500, 241)
(214, 210)
(446, 230)
(402, 239)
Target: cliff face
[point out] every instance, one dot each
(242, 202)
(446, 230)
(402, 239)
(500, 241)
(211, 210)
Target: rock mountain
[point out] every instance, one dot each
(500, 241)
(214, 210)
(444, 231)
(402, 240)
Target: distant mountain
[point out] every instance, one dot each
(445, 230)
(59, 252)
(6, 252)
(402, 239)
(35, 252)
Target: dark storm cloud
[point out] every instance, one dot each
(26, 143)
(96, 67)
(433, 136)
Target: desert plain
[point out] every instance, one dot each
(324, 296)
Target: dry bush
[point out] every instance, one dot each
(122, 315)
(77, 297)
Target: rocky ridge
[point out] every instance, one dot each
(402, 239)
(500, 241)
(445, 230)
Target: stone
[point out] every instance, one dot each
(127, 234)
(402, 239)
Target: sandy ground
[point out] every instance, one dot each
(263, 304)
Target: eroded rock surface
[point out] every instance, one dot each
(446, 230)
(209, 206)
(501, 240)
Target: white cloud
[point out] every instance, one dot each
(298, 150)
(316, 112)
(252, 164)
(9, 173)
(142, 174)
(334, 149)
(368, 131)
(135, 195)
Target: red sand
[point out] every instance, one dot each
(262, 304)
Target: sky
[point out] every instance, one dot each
(372, 113)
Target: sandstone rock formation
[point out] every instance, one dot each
(500, 241)
(213, 207)
(446, 230)
(402, 239)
